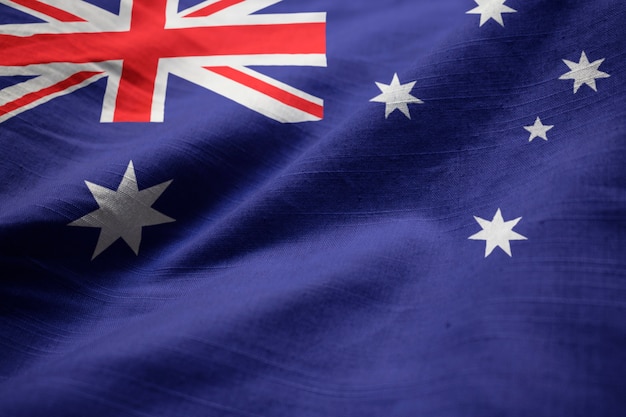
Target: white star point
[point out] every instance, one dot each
(584, 72)
(538, 130)
(396, 96)
(491, 9)
(497, 233)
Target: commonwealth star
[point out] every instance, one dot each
(124, 212)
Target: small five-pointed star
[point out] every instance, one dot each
(584, 72)
(497, 233)
(123, 213)
(538, 130)
(491, 9)
(396, 96)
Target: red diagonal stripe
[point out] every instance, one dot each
(53, 89)
(214, 8)
(53, 12)
(270, 90)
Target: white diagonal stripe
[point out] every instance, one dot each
(243, 95)
(48, 97)
(82, 9)
(28, 10)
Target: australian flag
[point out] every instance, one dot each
(321, 208)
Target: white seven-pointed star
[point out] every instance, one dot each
(491, 9)
(124, 212)
(538, 130)
(396, 96)
(584, 72)
(497, 233)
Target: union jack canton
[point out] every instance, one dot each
(211, 44)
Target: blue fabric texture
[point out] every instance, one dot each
(325, 268)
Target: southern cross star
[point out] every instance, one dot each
(396, 96)
(124, 212)
(584, 72)
(538, 130)
(491, 9)
(497, 233)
